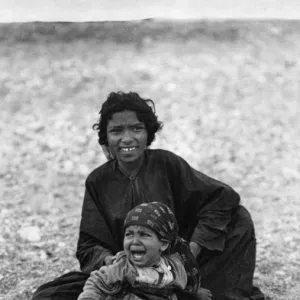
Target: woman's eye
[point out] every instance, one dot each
(116, 130)
(138, 128)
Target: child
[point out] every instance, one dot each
(154, 263)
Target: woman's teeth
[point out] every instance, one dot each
(128, 149)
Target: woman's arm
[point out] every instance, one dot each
(90, 254)
(203, 206)
(214, 217)
(95, 241)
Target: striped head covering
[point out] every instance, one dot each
(156, 216)
(159, 217)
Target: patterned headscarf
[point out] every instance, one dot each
(156, 216)
(159, 217)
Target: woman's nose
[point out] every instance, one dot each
(126, 137)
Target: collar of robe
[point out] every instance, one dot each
(132, 175)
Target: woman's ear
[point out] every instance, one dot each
(106, 152)
(164, 245)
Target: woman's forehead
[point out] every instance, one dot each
(123, 118)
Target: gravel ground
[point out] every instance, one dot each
(227, 92)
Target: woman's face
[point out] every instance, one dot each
(142, 246)
(126, 137)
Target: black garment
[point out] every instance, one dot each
(66, 287)
(207, 211)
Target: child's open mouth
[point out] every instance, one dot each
(137, 255)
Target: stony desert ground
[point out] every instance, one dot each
(227, 92)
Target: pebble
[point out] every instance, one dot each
(280, 273)
(30, 233)
(61, 244)
(43, 255)
(68, 166)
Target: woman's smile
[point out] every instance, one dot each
(130, 149)
(127, 139)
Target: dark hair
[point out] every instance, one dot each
(117, 102)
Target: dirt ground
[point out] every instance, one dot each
(227, 92)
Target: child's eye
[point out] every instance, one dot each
(145, 234)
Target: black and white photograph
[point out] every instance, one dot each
(149, 150)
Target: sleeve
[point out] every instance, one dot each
(98, 285)
(92, 288)
(203, 205)
(95, 239)
(213, 219)
(180, 281)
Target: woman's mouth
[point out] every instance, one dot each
(128, 149)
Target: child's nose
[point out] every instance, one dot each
(135, 240)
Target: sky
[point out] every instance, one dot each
(102, 10)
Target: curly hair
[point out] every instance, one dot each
(117, 102)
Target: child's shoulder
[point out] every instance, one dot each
(120, 256)
(116, 271)
(178, 269)
(174, 258)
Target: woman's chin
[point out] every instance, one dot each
(129, 159)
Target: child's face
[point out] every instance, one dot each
(142, 246)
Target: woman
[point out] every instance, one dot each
(219, 230)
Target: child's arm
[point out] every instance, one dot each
(92, 288)
(105, 281)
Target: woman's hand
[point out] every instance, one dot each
(203, 294)
(108, 260)
(195, 249)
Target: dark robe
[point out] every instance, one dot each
(208, 213)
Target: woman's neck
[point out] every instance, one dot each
(131, 169)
